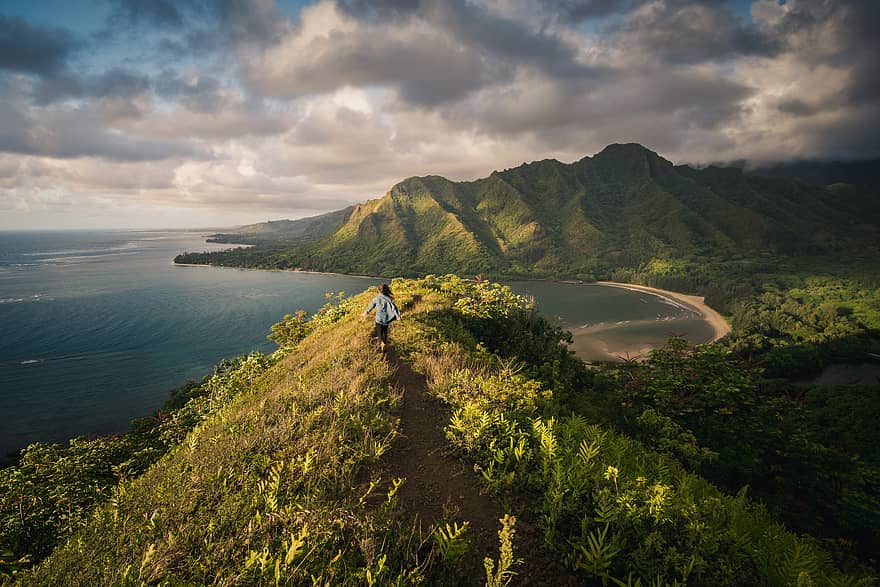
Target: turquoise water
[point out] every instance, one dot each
(610, 323)
(97, 327)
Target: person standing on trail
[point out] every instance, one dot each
(386, 313)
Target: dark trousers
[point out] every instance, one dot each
(382, 332)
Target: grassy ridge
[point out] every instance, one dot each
(284, 481)
(272, 487)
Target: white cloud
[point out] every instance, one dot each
(337, 107)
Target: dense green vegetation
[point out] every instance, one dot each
(722, 419)
(790, 318)
(719, 417)
(273, 470)
(287, 232)
(278, 484)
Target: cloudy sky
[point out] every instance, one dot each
(187, 113)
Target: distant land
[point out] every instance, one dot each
(626, 207)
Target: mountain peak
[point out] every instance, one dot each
(626, 150)
(631, 160)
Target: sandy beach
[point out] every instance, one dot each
(590, 344)
(694, 303)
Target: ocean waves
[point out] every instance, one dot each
(87, 252)
(24, 299)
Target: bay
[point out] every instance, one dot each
(612, 323)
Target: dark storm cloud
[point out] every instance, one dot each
(426, 63)
(428, 70)
(835, 37)
(852, 139)
(44, 53)
(248, 21)
(31, 49)
(197, 42)
(60, 143)
(203, 24)
(72, 133)
(685, 31)
(695, 100)
(504, 38)
(860, 21)
(117, 82)
(797, 107)
(114, 83)
(56, 86)
(15, 128)
(475, 27)
(381, 9)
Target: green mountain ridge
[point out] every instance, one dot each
(624, 207)
(304, 229)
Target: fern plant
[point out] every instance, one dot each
(450, 541)
(596, 553)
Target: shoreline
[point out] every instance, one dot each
(588, 344)
(278, 270)
(590, 347)
(697, 304)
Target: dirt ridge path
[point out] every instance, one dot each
(440, 487)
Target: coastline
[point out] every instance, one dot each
(277, 270)
(720, 326)
(591, 346)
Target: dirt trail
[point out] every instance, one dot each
(440, 487)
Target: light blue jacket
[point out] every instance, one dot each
(386, 311)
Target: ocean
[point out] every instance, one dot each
(96, 327)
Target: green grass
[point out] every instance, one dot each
(272, 488)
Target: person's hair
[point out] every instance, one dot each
(385, 290)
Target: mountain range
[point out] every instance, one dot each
(624, 207)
